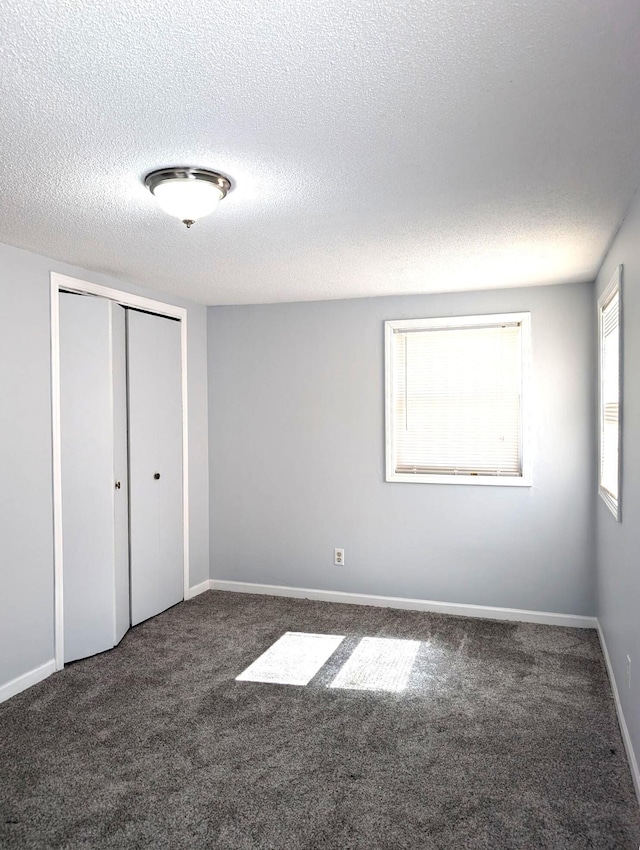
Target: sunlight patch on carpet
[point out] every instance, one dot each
(294, 659)
(378, 664)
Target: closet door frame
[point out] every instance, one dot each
(126, 299)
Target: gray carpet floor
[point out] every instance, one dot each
(505, 737)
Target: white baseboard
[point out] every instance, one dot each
(483, 611)
(21, 683)
(626, 737)
(198, 588)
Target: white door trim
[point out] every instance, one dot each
(58, 282)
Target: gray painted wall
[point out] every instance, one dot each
(618, 544)
(296, 425)
(26, 510)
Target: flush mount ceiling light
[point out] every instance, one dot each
(187, 193)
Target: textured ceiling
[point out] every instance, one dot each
(375, 147)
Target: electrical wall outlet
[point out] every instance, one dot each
(338, 557)
(628, 671)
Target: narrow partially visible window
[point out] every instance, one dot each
(455, 400)
(610, 350)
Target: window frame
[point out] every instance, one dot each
(459, 322)
(613, 287)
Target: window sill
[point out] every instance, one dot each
(473, 480)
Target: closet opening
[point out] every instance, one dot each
(120, 463)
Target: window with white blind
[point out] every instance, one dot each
(609, 320)
(456, 400)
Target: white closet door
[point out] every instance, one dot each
(155, 463)
(86, 420)
(121, 471)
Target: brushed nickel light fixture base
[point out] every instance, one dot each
(187, 193)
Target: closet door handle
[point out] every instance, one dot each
(157, 476)
(117, 485)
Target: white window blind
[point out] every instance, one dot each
(610, 394)
(457, 399)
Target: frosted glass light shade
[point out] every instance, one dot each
(187, 193)
(187, 198)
